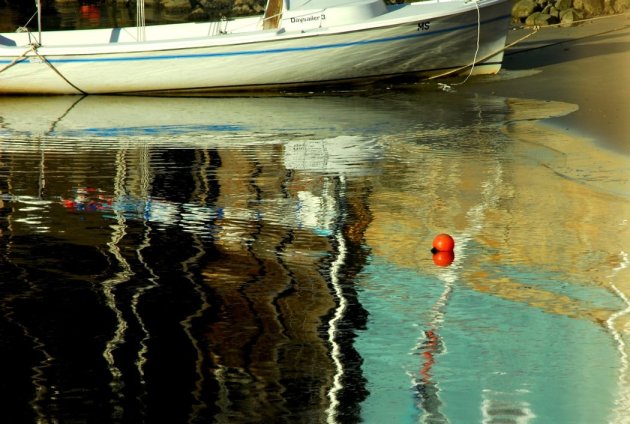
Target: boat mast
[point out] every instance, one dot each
(39, 22)
(140, 21)
(273, 13)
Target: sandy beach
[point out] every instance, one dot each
(587, 65)
(581, 80)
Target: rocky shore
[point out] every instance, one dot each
(549, 12)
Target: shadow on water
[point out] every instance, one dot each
(265, 260)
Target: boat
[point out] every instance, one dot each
(295, 44)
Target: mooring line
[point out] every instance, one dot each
(33, 48)
(535, 29)
(55, 70)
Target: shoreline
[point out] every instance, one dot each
(586, 69)
(586, 65)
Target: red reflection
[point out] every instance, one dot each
(443, 258)
(90, 12)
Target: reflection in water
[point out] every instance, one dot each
(266, 260)
(433, 345)
(622, 403)
(333, 327)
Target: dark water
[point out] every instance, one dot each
(266, 259)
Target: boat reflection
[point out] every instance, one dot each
(204, 243)
(251, 260)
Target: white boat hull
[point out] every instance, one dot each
(418, 40)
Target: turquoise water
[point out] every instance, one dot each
(497, 359)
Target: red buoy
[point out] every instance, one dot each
(443, 243)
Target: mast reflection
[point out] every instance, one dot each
(205, 284)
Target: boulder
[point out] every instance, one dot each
(540, 19)
(523, 8)
(217, 9)
(563, 4)
(248, 7)
(551, 10)
(176, 5)
(198, 14)
(620, 6)
(590, 7)
(568, 16)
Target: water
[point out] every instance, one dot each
(266, 259)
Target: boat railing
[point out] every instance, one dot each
(218, 27)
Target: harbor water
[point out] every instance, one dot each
(268, 259)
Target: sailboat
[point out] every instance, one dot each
(295, 44)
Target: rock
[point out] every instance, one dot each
(198, 14)
(176, 5)
(523, 8)
(248, 7)
(540, 19)
(563, 4)
(568, 16)
(590, 7)
(219, 8)
(531, 19)
(620, 6)
(551, 10)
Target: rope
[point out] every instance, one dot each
(17, 59)
(33, 48)
(472, 67)
(55, 70)
(535, 30)
(486, 57)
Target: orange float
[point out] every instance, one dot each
(443, 243)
